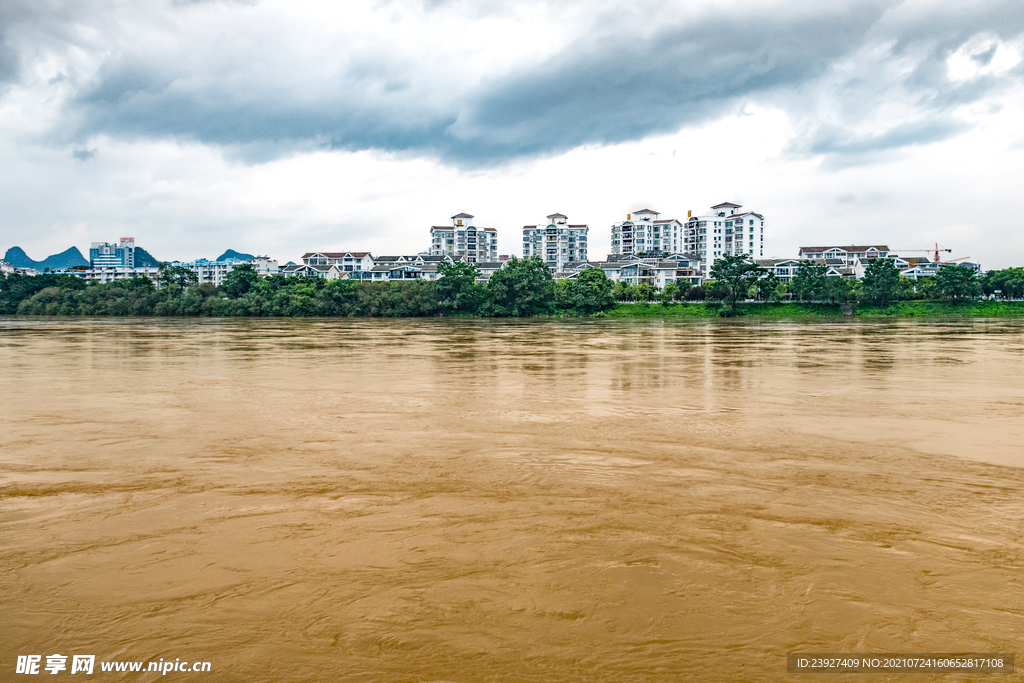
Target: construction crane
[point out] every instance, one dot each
(936, 250)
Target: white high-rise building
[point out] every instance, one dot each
(463, 239)
(644, 233)
(120, 254)
(724, 231)
(558, 242)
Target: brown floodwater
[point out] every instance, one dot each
(297, 500)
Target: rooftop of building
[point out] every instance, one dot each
(336, 254)
(815, 250)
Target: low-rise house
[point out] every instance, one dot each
(425, 267)
(105, 275)
(487, 269)
(689, 276)
(847, 272)
(860, 266)
(850, 268)
(436, 259)
(331, 272)
(783, 268)
(346, 261)
(634, 270)
(391, 260)
(399, 272)
(845, 253)
(658, 274)
(930, 268)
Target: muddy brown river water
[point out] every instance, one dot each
(467, 501)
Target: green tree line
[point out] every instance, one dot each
(523, 288)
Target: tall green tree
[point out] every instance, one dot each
(563, 293)
(925, 288)
(644, 291)
(1009, 283)
(240, 280)
(809, 282)
(738, 273)
(839, 290)
(696, 293)
(522, 288)
(881, 281)
(714, 290)
(767, 286)
(958, 282)
(670, 293)
(176, 275)
(906, 290)
(338, 297)
(591, 291)
(457, 289)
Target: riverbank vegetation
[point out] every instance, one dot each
(526, 288)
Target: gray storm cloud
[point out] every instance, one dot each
(261, 97)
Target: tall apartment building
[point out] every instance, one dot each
(107, 255)
(463, 239)
(558, 242)
(724, 231)
(644, 233)
(213, 272)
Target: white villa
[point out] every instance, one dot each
(847, 253)
(347, 261)
(659, 272)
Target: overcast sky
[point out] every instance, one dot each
(279, 127)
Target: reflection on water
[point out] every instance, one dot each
(523, 501)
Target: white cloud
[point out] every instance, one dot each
(983, 55)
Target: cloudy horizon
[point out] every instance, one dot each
(279, 128)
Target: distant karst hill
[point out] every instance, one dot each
(231, 253)
(17, 257)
